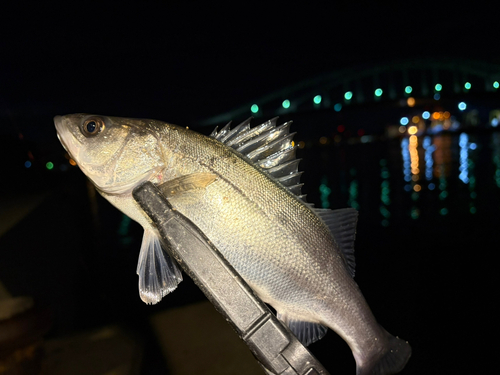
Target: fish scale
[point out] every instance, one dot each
(284, 249)
(270, 205)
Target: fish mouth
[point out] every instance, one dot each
(68, 140)
(58, 123)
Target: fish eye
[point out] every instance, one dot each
(92, 126)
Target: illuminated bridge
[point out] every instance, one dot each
(387, 91)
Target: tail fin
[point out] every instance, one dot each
(391, 362)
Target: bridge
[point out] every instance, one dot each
(404, 83)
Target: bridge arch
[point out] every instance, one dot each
(421, 78)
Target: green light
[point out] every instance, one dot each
(443, 211)
(49, 165)
(378, 92)
(337, 107)
(408, 89)
(348, 95)
(254, 108)
(496, 84)
(317, 99)
(438, 87)
(286, 103)
(467, 85)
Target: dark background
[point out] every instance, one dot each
(184, 63)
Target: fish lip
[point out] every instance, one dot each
(64, 135)
(60, 130)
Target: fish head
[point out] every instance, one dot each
(115, 153)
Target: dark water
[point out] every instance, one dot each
(427, 236)
(426, 247)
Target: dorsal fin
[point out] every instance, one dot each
(269, 146)
(342, 224)
(273, 149)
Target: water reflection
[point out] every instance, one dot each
(385, 190)
(495, 142)
(416, 177)
(353, 191)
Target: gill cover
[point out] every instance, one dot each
(115, 153)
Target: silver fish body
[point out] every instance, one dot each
(279, 245)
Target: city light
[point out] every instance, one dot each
(437, 96)
(412, 130)
(317, 99)
(337, 107)
(462, 106)
(254, 108)
(27, 164)
(438, 87)
(408, 89)
(404, 121)
(410, 101)
(286, 103)
(49, 165)
(378, 92)
(496, 84)
(348, 95)
(426, 115)
(467, 85)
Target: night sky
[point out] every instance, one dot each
(184, 63)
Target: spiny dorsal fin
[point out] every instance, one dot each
(306, 332)
(342, 224)
(269, 146)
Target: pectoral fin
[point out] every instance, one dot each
(187, 183)
(158, 273)
(306, 332)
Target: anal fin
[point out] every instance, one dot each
(158, 273)
(306, 332)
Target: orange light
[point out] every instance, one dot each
(436, 115)
(413, 130)
(323, 140)
(302, 144)
(417, 188)
(72, 162)
(415, 119)
(446, 114)
(410, 101)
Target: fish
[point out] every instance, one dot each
(241, 186)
